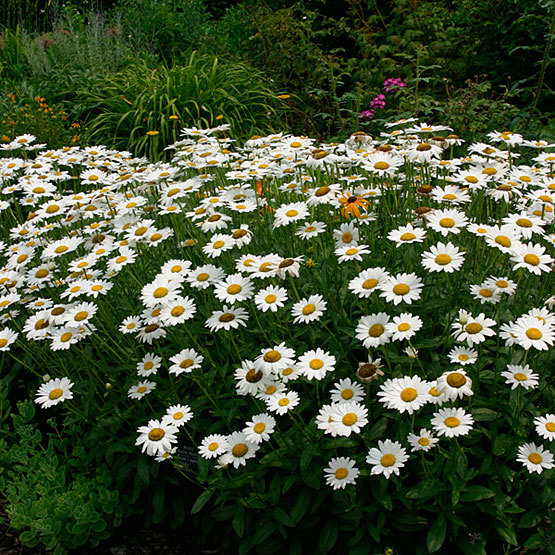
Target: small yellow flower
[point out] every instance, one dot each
(283, 96)
(219, 116)
(152, 133)
(173, 116)
(310, 263)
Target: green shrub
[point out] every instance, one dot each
(57, 497)
(125, 106)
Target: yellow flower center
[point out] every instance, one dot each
(452, 422)
(531, 259)
(447, 222)
(535, 458)
(456, 379)
(486, 293)
(283, 402)
(534, 333)
(408, 236)
(186, 363)
(341, 473)
(381, 165)
(177, 311)
(140, 230)
(471, 179)
(322, 191)
(403, 327)
(156, 237)
(160, 292)
(309, 309)
(401, 289)
(41, 273)
(370, 283)
(60, 249)
(227, 317)
(291, 213)
(375, 330)
(443, 259)
(203, 276)
(96, 287)
(351, 251)
(316, 364)
(449, 196)
(178, 416)
(270, 298)
(240, 450)
(501, 283)
(213, 446)
(55, 393)
(65, 337)
(347, 237)
(218, 244)
(524, 222)
(550, 426)
(80, 316)
(503, 240)
(519, 376)
(387, 460)
(347, 394)
(234, 289)
(473, 328)
(409, 394)
(259, 427)
(141, 389)
(424, 441)
(463, 357)
(349, 419)
(272, 356)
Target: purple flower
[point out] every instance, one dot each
(393, 84)
(367, 114)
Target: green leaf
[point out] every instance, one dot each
(306, 455)
(143, 470)
(238, 521)
(507, 532)
(328, 536)
(476, 493)
(301, 505)
(202, 499)
(280, 515)
(436, 534)
(263, 532)
(484, 415)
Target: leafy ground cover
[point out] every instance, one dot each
(282, 342)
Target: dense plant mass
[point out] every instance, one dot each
(343, 345)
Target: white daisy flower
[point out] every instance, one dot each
(53, 392)
(177, 415)
(455, 384)
(523, 376)
(403, 326)
(156, 438)
(535, 458)
(545, 426)
(402, 288)
(443, 258)
(185, 361)
(259, 428)
(452, 422)
(348, 418)
(388, 458)
(308, 310)
(315, 364)
(404, 394)
(345, 391)
(340, 472)
(424, 441)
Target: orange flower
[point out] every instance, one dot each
(350, 204)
